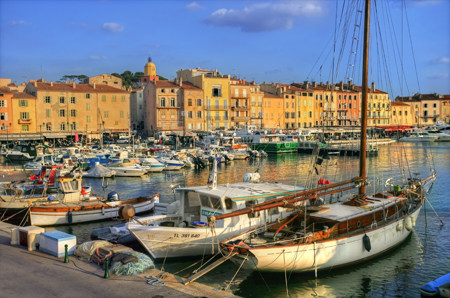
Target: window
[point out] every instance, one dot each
(23, 103)
(287, 105)
(3, 116)
(24, 127)
(190, 102)
(88, 106)
(425, 105)
(62, 113)
(287, 115)
(62, 126)
(163, 90)
(225, 104)
(62, 99)
(3, 103)
(114, 98)
(122, 98)
(293, 115)
(106, 114)
(116, 122)
(189, 114)
(47, 99)
(199, 102)
(121, 114)
(73, 100)
(48, 113)
(172, 102)
(199, 114)
(24, 115)
(87, 95)
(172, 90)
(406, 113)
(162, 102)
(163, 114)
(293, 105)
(103, 97)
(216, 91)
(88, 118)
(73, 113)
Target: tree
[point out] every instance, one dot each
(80, 78)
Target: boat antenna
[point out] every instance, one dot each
(365, 76)
(104, 185)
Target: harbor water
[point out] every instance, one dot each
(423, 257)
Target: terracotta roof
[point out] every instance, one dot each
(399, 103)
(69, 87)
(270, 95)
(23, 95)
(165, 84)
(190, 86)
(5, 90)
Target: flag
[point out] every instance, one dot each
(76, 137)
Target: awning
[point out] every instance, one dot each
(20, 137)
(56, 135)
(396, 128)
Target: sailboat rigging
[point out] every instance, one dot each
(336, 234)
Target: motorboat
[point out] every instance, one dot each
(152, 164)
(440, 287)
(99, 171)
(127, 169)
(441, 136)
(20, 153)
(419, 135)
(184, 231)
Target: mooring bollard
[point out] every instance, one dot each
(106, 268)
(66, 255)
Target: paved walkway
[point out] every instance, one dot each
(35, 274)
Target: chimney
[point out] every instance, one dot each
(73, 85)
(35, 83)
(341, 86)
(350, 85)
(305, 85)
(373, 87)
(181, 82)
(328, 85)
(94, 85)
(51, 83)
(314, 84)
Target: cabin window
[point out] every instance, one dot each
(250, 204)
(204, 200)
(215, 203)
(228, 204)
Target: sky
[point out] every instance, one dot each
(280, 41)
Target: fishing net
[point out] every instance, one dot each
(132, 268)
(87, 249)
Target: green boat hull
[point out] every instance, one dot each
(275, 148)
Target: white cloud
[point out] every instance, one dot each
(441, 60)
(97, 58)
(264, 16)
(112, 27)
(439, 76)
(193, 6)
(18, 23)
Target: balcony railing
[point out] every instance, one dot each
(166, 107)
(24, 121)
(240, 108)
(217, 107)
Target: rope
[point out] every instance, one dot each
(260, 274)
(167, 251)
(245, 259)
(285, 275)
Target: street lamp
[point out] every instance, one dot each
(7, 134)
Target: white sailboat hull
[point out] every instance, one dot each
(51, 218)
(325, 254)
(128, 172)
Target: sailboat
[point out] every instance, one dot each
(341, 233)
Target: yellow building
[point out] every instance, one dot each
(192, 107)
(63, 109)
(216, 95)
(273, 111)
(379, 108)
(401, 114)
(24, 113)
(240, 103)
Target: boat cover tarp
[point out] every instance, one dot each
(87, 249)
(98, 171)
(433, 286)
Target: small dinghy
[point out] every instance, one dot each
(439, 287)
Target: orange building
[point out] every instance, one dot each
(5, 112)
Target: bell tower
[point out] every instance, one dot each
(150, 68)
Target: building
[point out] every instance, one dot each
(5, 112)
(64, 109)
(273, 111)
(192, 106)
(427, 109)
(240, 103)
(24, 113)
(216, 92)
(106, 79)
(401, 114)
(137, 109)
(149, 72)
(162, 107)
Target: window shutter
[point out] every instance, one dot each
(5, 102)
(76, 113)
(6, 116)
(51, 99)
(26, 102)
(44, 98)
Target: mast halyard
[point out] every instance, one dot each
(365, 78)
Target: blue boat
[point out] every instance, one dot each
(439, 287)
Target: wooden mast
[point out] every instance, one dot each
(365, 78)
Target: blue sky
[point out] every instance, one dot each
(271, 41)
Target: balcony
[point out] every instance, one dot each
(24, 121)
(216, 108)
(240, 118)
(240, 108)
(166, 107)
(240, 97)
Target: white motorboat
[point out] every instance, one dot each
(441, 136)
(419, 135)
(127, 169)
(99, 171)
(171, 164)
(152, 164)
(184, 231)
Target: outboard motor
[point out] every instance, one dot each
(112, 197)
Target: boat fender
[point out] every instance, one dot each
(69, 217)
(103, 210)
(366, 242)
(183, 224)
(400, 226)
(408, 223)
(413, 221)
